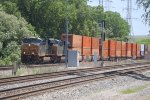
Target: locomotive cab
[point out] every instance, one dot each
(32, 50)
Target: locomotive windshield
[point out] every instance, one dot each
(32, 40)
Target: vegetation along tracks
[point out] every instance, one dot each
(25, 91)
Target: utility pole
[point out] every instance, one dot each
(102, 39)
(129, 17)
(108, 5)
(66, 42)
(101, 2)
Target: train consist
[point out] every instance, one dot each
(34, 50)
(112, 49)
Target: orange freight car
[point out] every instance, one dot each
(86, 46)
(118, 49)
(133, 52)
(105, 49)
(112, 48)
(123, 49)
(95, 45)
(75, 40)
(138, 49)
(86, 42)
(128, 52)
(95, 51)
(86, 51)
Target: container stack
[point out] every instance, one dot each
(123, 49)
(88, 46)
(75, 42)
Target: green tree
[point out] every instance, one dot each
(144, 41)
(49, 18)
(116, 26)
(12, 31)
(10, 8)
(146, 5)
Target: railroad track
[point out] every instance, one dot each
(25, 91)
(29, 78)
(10, 67)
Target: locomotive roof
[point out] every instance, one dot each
(33, 38)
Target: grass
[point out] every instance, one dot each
(29, 71)
(148, 98)
(134, 90)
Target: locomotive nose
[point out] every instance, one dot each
(30, 49)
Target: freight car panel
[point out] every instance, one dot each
(112, 44)
(95, 51)
(112, 53)
(138, 50)
(75, 40)
(105, 49)
(133, 50)
(129, 54)
(106, 44)
(112, 48)
(86, 42)
(123, 46)
(95, 43)
(128, 46)
(105, 54)
(118, 49)
(86, 52)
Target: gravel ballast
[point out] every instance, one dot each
(109, 89)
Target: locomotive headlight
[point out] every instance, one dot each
(24, 52)
(33, 53)
(29, 45)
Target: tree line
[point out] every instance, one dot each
(47, 19)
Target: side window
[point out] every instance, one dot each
(61, 43)
(43, 42)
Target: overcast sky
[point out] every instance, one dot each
(139, 27)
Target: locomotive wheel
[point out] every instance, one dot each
(52, 59)
(59, 59)
(38, 60)
(55, 59)
(41, 59)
